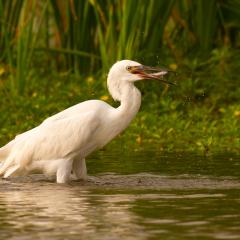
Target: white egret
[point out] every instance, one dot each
(60, 144)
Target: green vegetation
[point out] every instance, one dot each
(54, 54)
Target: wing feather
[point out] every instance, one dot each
(53, 140)
(81, 108)
(59, 139)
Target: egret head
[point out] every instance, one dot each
(131, 71)
(127, 71)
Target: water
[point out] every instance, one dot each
(129, 195)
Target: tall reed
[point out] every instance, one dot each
(19, 28)
(83, 36)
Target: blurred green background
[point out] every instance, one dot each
(56, 53)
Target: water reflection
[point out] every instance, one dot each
(50, 211)
(66, 211)
(190, 201)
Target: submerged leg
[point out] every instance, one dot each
(80, 169)
(64, 171)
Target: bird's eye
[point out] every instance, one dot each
(128, 68)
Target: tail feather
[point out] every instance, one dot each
(5, 150)
(11, 170)
(4, 167)
(16, 159)
(8, 163)
(5, 157)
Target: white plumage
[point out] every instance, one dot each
(60, 144)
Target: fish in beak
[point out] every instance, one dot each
(146, 72)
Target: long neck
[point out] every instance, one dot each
(130, 102)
